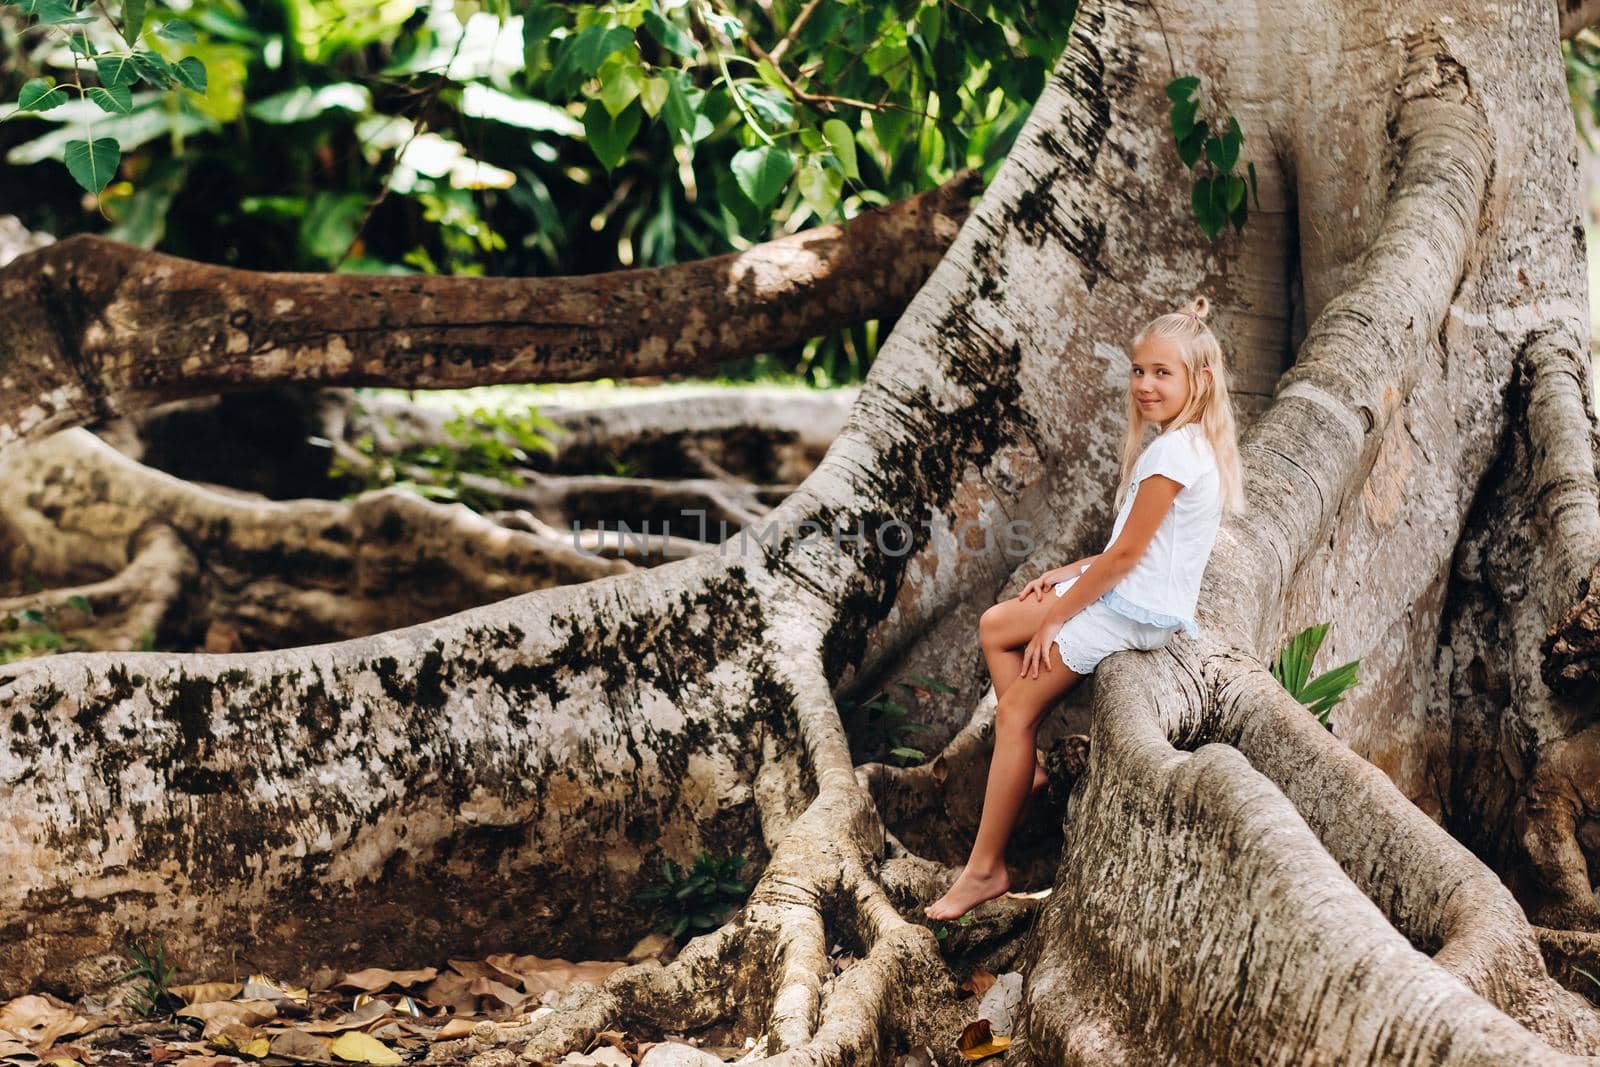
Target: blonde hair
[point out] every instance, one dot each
(1209, 403)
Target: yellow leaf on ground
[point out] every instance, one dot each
(356, 1047)
(978, 1042)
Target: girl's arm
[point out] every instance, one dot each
(1049, 578)
(1150, 505)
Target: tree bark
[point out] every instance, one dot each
(95, 329)
(1236, 884)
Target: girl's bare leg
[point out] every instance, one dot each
(1016, 722)
(1004, 631)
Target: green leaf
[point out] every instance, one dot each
(55, 13)
(681, 109)
(908, 753)
(40, 95)
(770, 104)
(843, 142)
(92, 163)
(176, 30)
(155, 71)
(80, 44)
(1204, 212)
(621, 78)
(132, 20)
(762, 172)
(820, 185)
(190, 73)
(653, 96)
(589, 48)
(608, 135)
(116, 70)
(1235, 193)
(1189, 147)
(115, 101)
(1231, 142)
(932, 683)
(1182, 88)
(670, 36)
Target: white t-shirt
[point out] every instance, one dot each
(1164, 584)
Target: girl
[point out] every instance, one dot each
(1135, 595)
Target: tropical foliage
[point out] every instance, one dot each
(536, 138)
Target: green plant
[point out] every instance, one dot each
(880, 724)
(1587, 975)
(149, 58)
(31, 632)
(1292, 669)
(487, 444)
(1218, 194)
(701, 896)
(155, 974)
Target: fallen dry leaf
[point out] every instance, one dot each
(359, 1019)
(241, 1039)
(17, 1052)
(356, 1047)
(297, 1045)
(268, 988)
(206, 992)
(219, 1014)
(452, 992)
(1038, 894)
(488, 987)
(455, 1029)
(539, 975)
(979, 982)
(977, 1042)
(208, 1061)
(376, 979)
(41, 1019)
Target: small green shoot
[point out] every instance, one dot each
(881, 723)
(701, 896)
(1292, 669)
(155, 974)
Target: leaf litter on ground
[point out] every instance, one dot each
(370, 1016)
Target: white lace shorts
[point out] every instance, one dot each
(1095, 632)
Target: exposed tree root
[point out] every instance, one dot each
(272, 573)
(125, 610)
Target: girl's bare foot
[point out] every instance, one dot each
(969, 891)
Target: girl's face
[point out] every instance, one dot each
(1158, 379)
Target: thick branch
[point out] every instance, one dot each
(96, 328)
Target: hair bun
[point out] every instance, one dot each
(1199, 308)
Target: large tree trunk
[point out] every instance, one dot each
(1236, 884)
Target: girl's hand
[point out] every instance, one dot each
(1047, 580)
(1038, 652)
